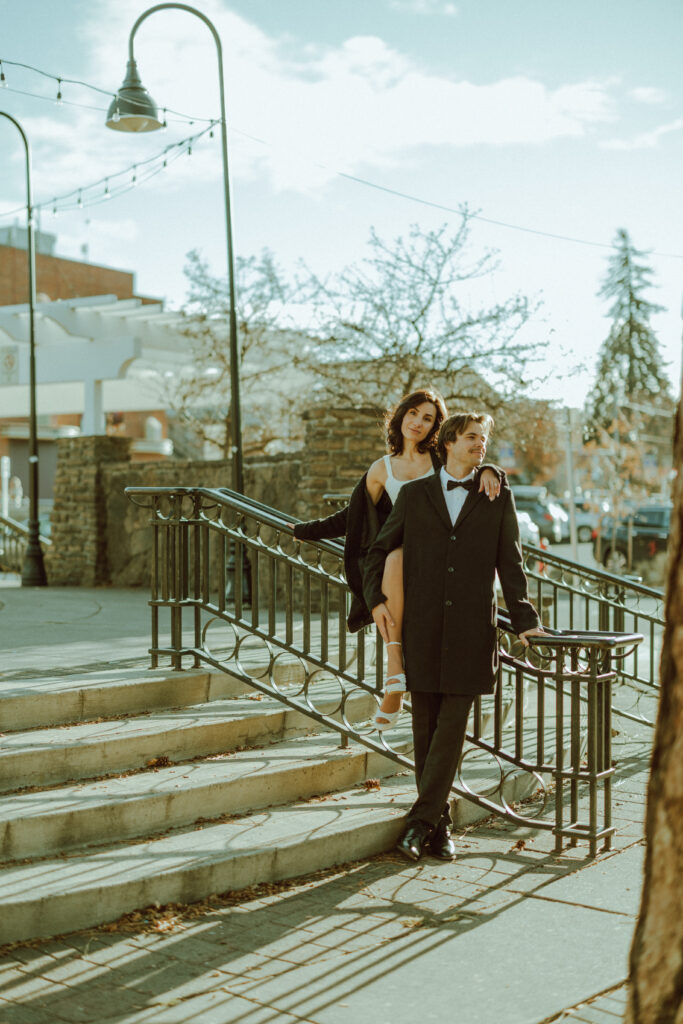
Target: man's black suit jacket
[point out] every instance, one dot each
(449, 635)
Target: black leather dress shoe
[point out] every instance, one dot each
(441, 844)
(413, 841)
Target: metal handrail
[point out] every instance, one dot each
(599, 575)
(282, 630)
(14, 538)
(567, 593)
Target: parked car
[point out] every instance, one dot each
(588, 516)
(637, 540)
(528, 530)
(543, 513)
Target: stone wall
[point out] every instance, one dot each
(100, 537)
(339, 446)
(273, 481)
(78, 554)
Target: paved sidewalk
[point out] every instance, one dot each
(508, 934)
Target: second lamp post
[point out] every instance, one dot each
(134, 110)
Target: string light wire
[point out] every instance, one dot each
(60, 79)
(77, 198)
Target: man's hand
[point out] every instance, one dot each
(537, 631)
(383, 620)
(489, 484)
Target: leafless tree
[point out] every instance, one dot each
(199, 395)
(406, 316)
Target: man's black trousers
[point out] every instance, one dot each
(439, 724)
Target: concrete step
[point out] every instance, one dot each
(81, 697)
(38, 824)
(50, 897)
(46, 757)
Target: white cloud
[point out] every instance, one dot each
(648, 94)
(646, 140)
(354, 107)
(425, 7)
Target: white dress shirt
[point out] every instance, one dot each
(455, 498)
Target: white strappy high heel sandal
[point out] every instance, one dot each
(395, 683)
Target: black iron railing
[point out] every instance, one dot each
(13, 543)
(234, 590)
(571, 596)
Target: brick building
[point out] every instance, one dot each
(56, 277)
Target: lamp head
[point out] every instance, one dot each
(133, 109)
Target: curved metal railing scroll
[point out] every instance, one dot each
(241, 595)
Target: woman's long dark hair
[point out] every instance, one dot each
(394, 419)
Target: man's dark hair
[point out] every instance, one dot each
(458, 424)
(394, 419)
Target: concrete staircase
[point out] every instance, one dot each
(121, 788)
(124, 788)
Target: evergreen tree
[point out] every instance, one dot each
(630, 368)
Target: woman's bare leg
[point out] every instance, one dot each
(392, 587)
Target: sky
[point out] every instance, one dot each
(558, 121)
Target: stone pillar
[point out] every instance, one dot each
(78, 555)
(339, 446)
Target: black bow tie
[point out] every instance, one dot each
(467, 484)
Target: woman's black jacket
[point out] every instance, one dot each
(359, 522)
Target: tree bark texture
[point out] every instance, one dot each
(656, 968)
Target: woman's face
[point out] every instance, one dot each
(418, 422)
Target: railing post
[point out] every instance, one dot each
(559, 748)
(155, 591)
(176, 569)
(606, 761)
(592, 753)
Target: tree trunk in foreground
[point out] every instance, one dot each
(656, 970)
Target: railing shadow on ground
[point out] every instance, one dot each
(228, 575)
(393, 934)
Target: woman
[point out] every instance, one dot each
(412, 428)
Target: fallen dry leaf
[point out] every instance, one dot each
(159, 762)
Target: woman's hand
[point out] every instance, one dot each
(490, 484)
(383, 620)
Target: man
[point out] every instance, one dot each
(453, 543)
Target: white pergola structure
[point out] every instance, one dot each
(93, 355)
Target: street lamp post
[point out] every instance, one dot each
(33, 569)
(134, 110)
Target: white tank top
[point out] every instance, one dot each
(393, 486)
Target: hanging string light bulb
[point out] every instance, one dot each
(59, 91)
(3, 80)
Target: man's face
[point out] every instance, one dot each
(469, 448)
